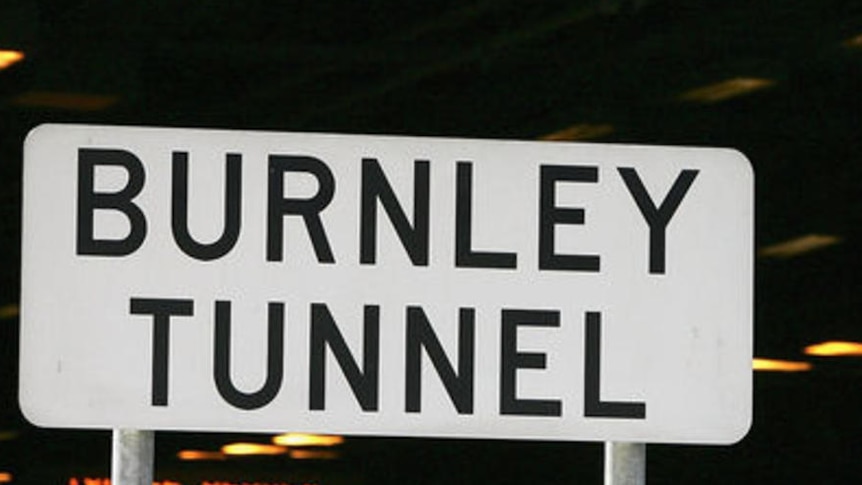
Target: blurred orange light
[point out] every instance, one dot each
(305, 454)
(107, 481)
(724, 90)
(246, 449)
(8, 311)
(800, 245)
(7, 58)
(5, 477)
(773, 365)
(65, 101)
(302, 439)
(854, 42)
(583, 131)
(835, 349)
(199, 455)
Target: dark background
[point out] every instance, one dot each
(509, 69)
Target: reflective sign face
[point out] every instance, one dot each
(254, 281)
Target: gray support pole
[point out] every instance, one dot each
(625, 463)
(132, 453)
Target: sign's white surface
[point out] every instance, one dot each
(257, 281)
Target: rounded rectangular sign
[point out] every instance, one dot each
(192, 279)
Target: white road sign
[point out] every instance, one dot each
(255, 281)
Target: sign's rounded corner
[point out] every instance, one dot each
(740, 431)
(37, 132)
(742, 160)
(31, 412)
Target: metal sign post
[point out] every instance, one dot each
(625, 463)
(132, 454)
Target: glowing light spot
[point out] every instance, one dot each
(9, 57)
(773, 365)
(200, 455)
(835, 349)
(246, 449)
(302, 439)
(5, 477)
